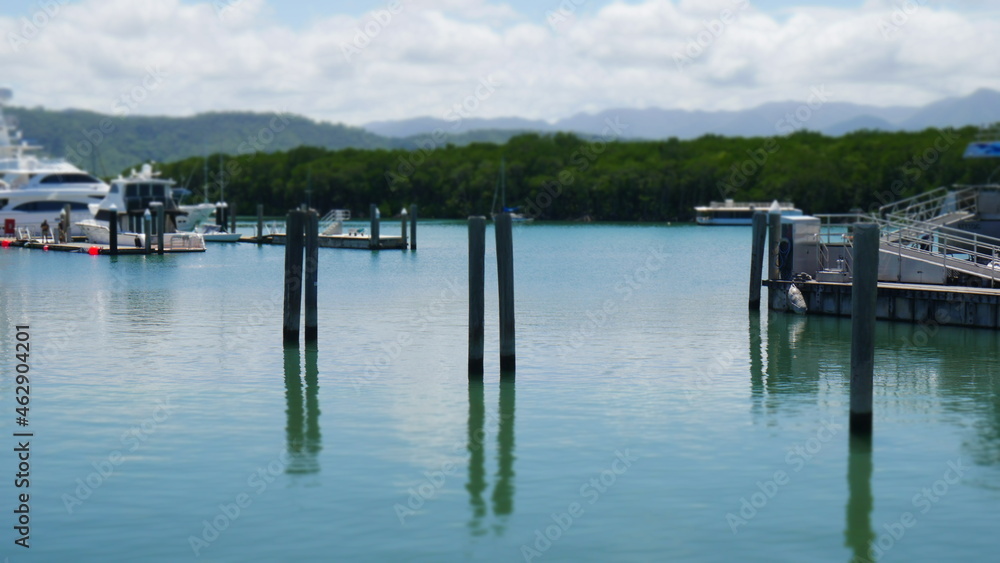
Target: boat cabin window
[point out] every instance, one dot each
(139, 195)
(50, 206)
(70, 178)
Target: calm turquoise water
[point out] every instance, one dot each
(652, 417)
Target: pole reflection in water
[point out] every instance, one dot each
(503, 491)
(756, 363)
(302, 429)
(477, 457)
(859, 535)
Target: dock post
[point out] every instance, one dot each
(757, 258)
(312, 275)
(67, 223)
(402, 223)
(477, 278)
(375, 215)
(113, 230)
(864, 291)
(505, 285)
(147, 230)
(413, 227)
(774, 245)
(161, 224)
(293, 277)
(232, 218)
(260, 223)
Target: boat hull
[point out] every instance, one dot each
(98, 233)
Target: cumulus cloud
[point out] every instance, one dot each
(411, 58)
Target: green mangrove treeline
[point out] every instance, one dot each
(566, 177)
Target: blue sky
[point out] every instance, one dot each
(458, 59)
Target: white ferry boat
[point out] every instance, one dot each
(731, 212)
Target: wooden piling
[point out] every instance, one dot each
(147, 231)
(757, 258)
(477, 278)
(774, 245)
(113, 230)
(373, 239)
(293, 277)
(312, 275)
(66, 221)
(260, 223)
(220, 215)
(402, 223)
(863, 297)
(505, 285)
(232, 218)
(161, 224)
(413, 227)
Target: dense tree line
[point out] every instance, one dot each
(565, 177)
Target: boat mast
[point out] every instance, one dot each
(222, 182)
(503, 186)
(205, 177)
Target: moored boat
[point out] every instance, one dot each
(34, 191)
(731, 212)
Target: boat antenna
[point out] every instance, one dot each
(5, 96)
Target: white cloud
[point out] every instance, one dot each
(426, 59)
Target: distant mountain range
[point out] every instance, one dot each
(831, 118)
(107, 144)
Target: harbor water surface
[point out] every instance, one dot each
(651, 417)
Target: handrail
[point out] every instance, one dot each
(936, 203)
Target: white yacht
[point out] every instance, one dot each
(35, 190)
(130, 198)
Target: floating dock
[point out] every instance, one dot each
(87, 247)
(358, 242)
(938, 259)
(915, 303)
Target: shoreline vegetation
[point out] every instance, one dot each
(567, 177)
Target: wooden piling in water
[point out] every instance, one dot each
(161, 224)
(477, 278)
(373, 238)
(413, 227)
(312, 275)
(402, 222)
(757, 258)
(260, 223)
(774, 245)
(863, 297)
(293, 277)
(66, 223)
(147, 231)
(505, 285)
(232, 218)
(113, 230)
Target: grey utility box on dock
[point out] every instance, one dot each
(799, 250)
